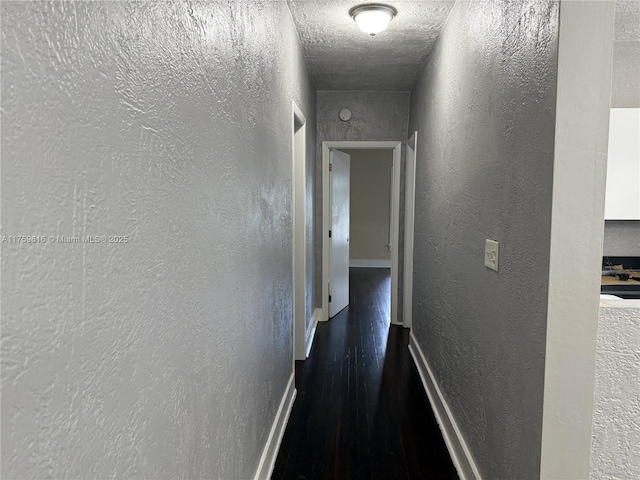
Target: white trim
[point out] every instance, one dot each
(373, 145)
(395, 262)
(299, 255)
(409, 219)
(326, 219)
(373, 263)
(460, 453)
(311, 331)
(583, 91)
(270, 451)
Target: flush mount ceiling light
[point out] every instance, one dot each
(373, 18)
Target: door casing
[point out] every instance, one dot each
(396, 146)
(299, 307)
(409, 219)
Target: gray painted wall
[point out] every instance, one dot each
(622, 238)
(484, 111)
(370, 204)
(377, 116)
(625, 87)
(169, 123)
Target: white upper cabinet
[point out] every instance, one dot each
(622, 201)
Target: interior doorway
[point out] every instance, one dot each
(370, 229)
(327, 148)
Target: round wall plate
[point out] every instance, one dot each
(345, 114)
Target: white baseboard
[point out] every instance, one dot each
(311, 332)
(270, 452)
(460, 453)
(356, 262)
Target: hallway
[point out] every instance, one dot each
(361, 411)
(165, 253)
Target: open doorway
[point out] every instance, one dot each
(363, 244)
(370, 227)
(391, 238)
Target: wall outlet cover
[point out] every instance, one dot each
(491, 254)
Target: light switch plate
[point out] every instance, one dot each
(491, 254)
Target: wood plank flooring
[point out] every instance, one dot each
(361, 411)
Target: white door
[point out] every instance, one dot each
(339, 251)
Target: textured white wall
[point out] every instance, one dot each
(616, 411)
(484, 111)
(169, 123)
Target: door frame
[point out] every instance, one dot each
(409, 219)
(298, 244)
(396, 146)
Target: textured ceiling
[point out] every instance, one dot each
(627, 20)
(342, 57)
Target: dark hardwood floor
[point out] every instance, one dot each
(361, 411)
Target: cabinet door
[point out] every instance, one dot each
(622, 200)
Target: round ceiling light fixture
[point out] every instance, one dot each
(373, 18)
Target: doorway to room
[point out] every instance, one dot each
(372, 217)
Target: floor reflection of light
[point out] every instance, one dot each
(380, 331)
